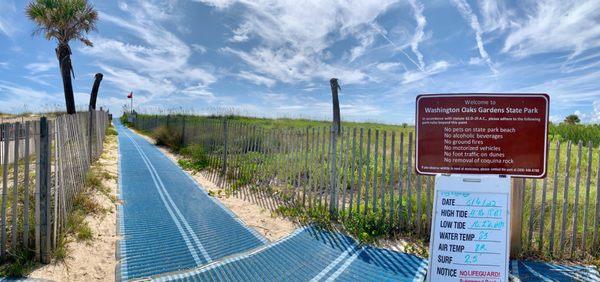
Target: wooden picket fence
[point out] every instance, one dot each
(366, 173)
(44, 163)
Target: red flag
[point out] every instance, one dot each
(130, 96)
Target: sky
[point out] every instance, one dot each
(275, 58)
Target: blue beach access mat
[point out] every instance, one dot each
(167, 222)
(530, 271)
(310, 254)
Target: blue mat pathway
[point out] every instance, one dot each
(167, 221)
(310, 254)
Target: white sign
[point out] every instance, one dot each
(470, 229)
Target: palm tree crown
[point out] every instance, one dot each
(63, 20)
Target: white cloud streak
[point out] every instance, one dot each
(17, 98)
(494, 16)
(294, 36)
(419, 34)
(7, 22)
(41, 66)
(199, 48)
(256, 79)
(467, 13)
(435, 68)
(556, 25)
(158, 64)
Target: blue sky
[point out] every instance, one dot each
(274, 58)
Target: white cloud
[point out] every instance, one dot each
(219, 4)
(567, 91)
(313, 107)
(46, 79)
(388, 66)
(581, 63)
(556, 25)
(494, 15)
(41, 67)
(595, 117)
(293, 37)
(366, 39)
(413, 76)
(199, 91)
(555, 118)
(128, 80)
(257, 79)
(199, 48)
(240, 34)
(592, 116)
(7, 18)
(397, 47)
(17, 98)
(419, 35)
(467, 13)
(475, 61)
(158, 64)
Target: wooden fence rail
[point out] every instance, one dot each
(368, 174)
(44, 163)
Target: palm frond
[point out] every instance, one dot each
(63, 20)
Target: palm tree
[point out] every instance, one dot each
(572, 119)
(64, 20)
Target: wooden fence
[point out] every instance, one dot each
(38, 186)
(368, 174)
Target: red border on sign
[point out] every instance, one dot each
(537, 95)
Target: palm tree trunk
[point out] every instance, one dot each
(94, 94)
(63, 53)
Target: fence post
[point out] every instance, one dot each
(335, 131)
(333, 178)
(516, 218)
(183, 132)
(90, 133)
(224, 168)
(44, 185)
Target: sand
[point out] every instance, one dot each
(270, 225)
(93, 260)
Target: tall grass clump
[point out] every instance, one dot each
(576, 132)
(166, 136)
(111, 131)
(195, 157)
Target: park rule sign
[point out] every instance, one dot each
(469, 230)
(503, 134)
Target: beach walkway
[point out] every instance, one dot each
(172, 230)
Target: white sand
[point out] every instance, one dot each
(93, 260)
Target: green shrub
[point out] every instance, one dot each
(110, 131)
(368, 227)
(77, 226)
(124, 120)
(166, 136)
(18, 264)
(576, 132)
(195, 157)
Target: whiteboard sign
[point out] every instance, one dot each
(470, 229)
